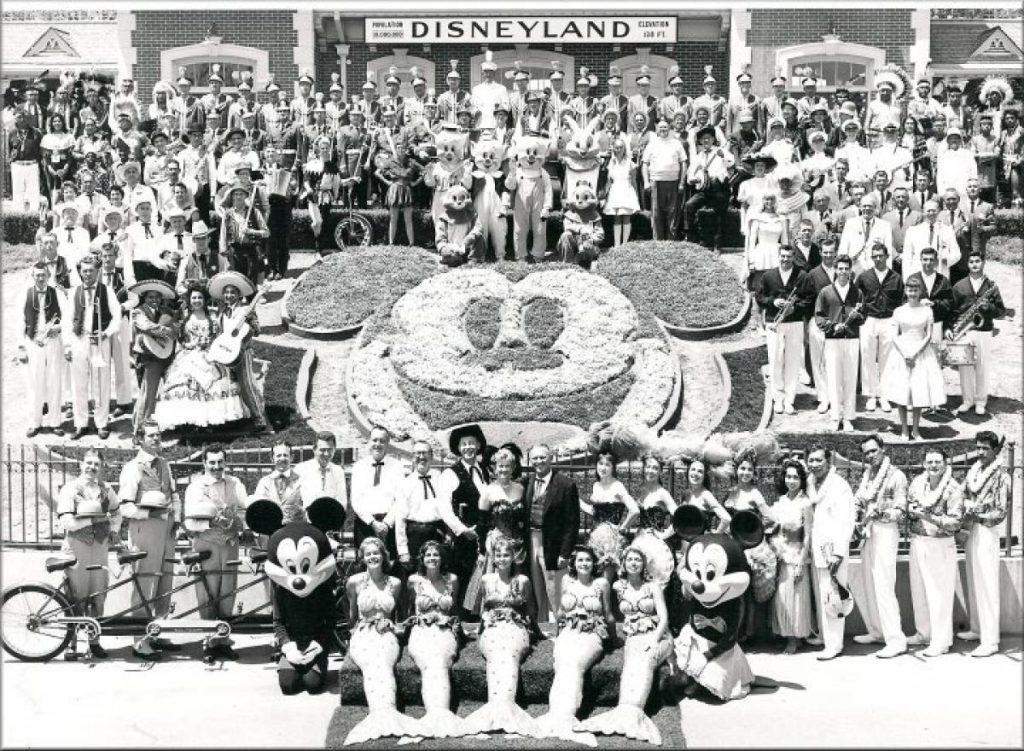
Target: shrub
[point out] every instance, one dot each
(1007, 249)
(1010, 222)
(348, 286)
(18, 226)
(681, 283)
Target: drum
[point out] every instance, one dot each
(958, 353)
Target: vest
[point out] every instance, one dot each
(51, 307)
(102, 307)
(61, 275)
(466, 495)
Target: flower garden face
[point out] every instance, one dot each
(372, 556)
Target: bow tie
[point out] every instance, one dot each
(701, 621)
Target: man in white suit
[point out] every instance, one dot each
(834, 520)
(860, 233)
(930, 233)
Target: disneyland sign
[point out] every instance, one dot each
(522, 30)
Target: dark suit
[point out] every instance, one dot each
(559, 526)
(941, 296)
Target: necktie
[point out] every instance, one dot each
(428, 489)
(972, 205)
(901, 218)
(181, 243)
(281, 483)
(922, 200)
(145, 226)
(113, 235)
(867, 228)
(376, 473)
(931, 233)
(951, 217)
(323, 478)
(70, 238)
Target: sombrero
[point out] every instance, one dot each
(153, 285)
(461, 432)
(233, 279)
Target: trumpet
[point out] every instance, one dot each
(783, 311)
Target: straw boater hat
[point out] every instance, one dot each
(230, 279)
(152, 285)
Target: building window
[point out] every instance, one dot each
(199, 59)
(830, 72)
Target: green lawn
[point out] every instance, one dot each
(17, 256)
(1006, 249)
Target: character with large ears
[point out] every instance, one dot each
(716, 573)
(451, 167)
(533, 195)
(582, 231)
(300, 563)
(487, 199)
(458, 233)
(580, 156)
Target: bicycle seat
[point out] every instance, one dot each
(258, 556)
(60, 562)
(195, 556)
(130, 556)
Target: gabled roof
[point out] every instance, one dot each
(958, 42)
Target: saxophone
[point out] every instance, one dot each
(972, 318)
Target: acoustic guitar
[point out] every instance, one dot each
(161, 347)
(227, 347)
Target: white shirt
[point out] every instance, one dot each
(132, 196)
(369, 499)
(168, 243)
(318, 483)
(835, 515)
(75, 247)
(415, 503)
(485, 97)
(922, 236)
(138, 247)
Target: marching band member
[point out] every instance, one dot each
(642, 103)
(986, 500)
(520, 87)
(41, 351)
(390, 97)
(935, 507)
(976, 302)
(557, 97)
(805, 104)
(930, 233)
(448, 102)
(336, 109)
(273, 116)
(95, 317)
(714, 103)
(818, 278)
(881, 289)
(743, 101)
(216, 100)
(415, 106)
(837, 313)
(488, 94)
(783, 296)
(583, 107)
(302, 104)
(188, 106)
(892, 158)
(615, 100)
(676, 101)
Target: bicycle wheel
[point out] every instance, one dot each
(352, 231)
(29, 629)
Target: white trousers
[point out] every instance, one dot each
(785, 358)
(90, 381)
(831, 629)
(974, 378)
(25, 185)
(841, 374)
(816, 344)
(125, 386)
(45, 371)
(932, 587)
(876, 335)
(983, 574)
(881, 610)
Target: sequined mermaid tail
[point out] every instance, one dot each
(575, 651)
(642, 655)
(433, 649)
(503, 645)
(375, 654)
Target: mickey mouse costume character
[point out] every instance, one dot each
(301, 565)
(716, 573)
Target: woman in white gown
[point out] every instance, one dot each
(374, 649)
(434, 641)
(912, 377)
(766, 233)
(645, 628)
(791, 607)
(197, 391)
(505, 627)
(621, 202)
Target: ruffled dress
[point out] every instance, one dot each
(508, 518)
(504, 641)
(652, 523)
(919, 385)
(609, 510)
(761, 557)
(433, 646)
(196, 390)
(374, 650)
(582, 633)
(642, 655)
(792, 615)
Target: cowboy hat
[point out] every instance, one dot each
(199, 229)
(461, 432)
(122, 169)
(233, 279)
(139, 289)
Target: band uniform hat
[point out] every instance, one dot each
(392, 77)
(778, 80)
(153, 285)
(614, 75)
(454, 72)
(461, 432)
(851, 125)
(954, 132)
(230, 279)
(556, 71)
(306, 77)
(233, 132)
(675, 79)
(183, 79)
(744, 78)
(488, 63)
(644, 76)
(271, 87)
(808, 81)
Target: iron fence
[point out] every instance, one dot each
(31, 477)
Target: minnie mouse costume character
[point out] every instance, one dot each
(301, 566)
(716, 573)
